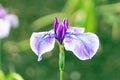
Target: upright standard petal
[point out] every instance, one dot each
(55, 25)
(41, 43)
(84, 45)
(65, 22)
(3, 12)
(60, 29)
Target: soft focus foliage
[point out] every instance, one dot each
(99, 16)
(11, 76)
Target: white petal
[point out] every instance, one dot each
(75, 30)
(41, 43)
(13, 19)
(84, 46)
(4, 28)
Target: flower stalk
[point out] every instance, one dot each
(61, 61)
(0, 54)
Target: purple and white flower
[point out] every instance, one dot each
(83, 45)
(6, 22)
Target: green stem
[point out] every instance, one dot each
(0, 54)
(61, 75)
(61, 61)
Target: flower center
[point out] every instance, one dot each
(60, 29)
(60, 32)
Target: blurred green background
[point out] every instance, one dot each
(99, 16)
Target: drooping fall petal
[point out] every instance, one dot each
(84, 45)
(41, 43)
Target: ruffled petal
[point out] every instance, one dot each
(4, 28)
(84, 45)
(41, 43)
(75, 30)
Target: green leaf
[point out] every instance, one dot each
(46, 20)
(14, 76)
(70, 6)
(2, 76)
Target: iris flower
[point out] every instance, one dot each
(83, 45)
(6, 22)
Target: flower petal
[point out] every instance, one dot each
(65, 22)
(75, 30)
(41, 43)
(84, 45)
(4, 28)
(3, 12)
(56, 23)
(13, 19)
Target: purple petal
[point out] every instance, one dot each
(65, 21)
(75, 30)
(41, 43)
(3, 12)
(56, 23)
(60, 29)
(84, 45)
(13, 19)
(4, 28)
